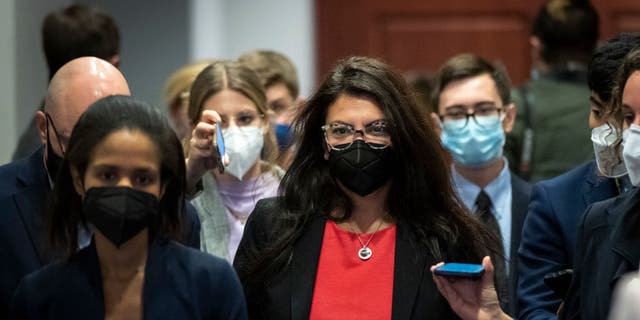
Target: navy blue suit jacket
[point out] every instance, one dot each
(179, 283)
(608, 248)
(549, 234)
(24, 185)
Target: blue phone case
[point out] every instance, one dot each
(460, 270)
(220, 146)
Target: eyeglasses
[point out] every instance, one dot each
(340, 136)
(484, 115)
(242, 119)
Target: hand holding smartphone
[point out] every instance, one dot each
(460, 270)
(475, 299)
(218, 146)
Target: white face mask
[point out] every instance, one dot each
(609, 161)
(243, 146)
(631, 153)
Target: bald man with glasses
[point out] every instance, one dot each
(26, 183)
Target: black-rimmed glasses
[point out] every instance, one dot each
(484, 115)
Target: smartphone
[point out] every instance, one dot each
(460, 270)
(218, 145)
(559, 282)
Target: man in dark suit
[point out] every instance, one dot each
(24, 184)
(474, 113)
(557, 205)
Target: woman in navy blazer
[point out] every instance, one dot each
(367, 161)
(608, 242)
(123, 179)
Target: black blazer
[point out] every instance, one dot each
(289, 294)
(608, 247)
(520, 193)
(24, 185)
(179, 283)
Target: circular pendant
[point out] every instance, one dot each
(365, 253)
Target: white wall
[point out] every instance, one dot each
(31, 73)
(25, 80)
(207, 29)
(154, 42)
(159, 36)
(228, 28)
(8, 115)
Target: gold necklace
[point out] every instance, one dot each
(365, 253)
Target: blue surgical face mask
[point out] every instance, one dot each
(477, 143)
(283, 135)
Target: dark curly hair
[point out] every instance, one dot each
(605, 62)
(421, 195)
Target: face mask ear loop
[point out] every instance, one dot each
(440, 123)
(55, 131)
(83, 216)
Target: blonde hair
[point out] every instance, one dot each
(178, 85)
(273, 67)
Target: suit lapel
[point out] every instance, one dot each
(31, 215)
(304, 266)
(520, 192)
(409, 267)
(157, 278)
(625, 221)
(30, 202)
(85, 284)
(596, 188)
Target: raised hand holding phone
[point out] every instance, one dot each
(218, 146)
(206, 148)
(470, 299)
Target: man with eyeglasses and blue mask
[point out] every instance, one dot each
(472, 98)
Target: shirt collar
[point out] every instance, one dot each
(468, 191)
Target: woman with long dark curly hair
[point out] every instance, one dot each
(366, 207)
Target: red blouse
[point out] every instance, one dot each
(347, 287)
